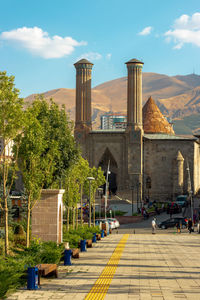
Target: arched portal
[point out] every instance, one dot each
(112, 178)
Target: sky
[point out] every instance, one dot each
(40, 40)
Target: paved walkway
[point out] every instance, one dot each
(143, 266)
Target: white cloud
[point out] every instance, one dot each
(186, 29)
(108, 56)
(38, 42)
(146, 31)
(91, 56)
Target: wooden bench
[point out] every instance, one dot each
(98, 236)
(47, 269)
(75, 253)
(89, 243)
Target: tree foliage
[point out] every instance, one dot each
(11, 123)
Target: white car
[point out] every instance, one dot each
(116, 222)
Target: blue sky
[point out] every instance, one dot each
(41, 40)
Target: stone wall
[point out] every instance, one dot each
(159, 156)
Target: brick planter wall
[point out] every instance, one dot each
(47, 216)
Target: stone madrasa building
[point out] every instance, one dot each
(147, 156)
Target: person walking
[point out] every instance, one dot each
(178, 227)
(190, 225)
(153, 225)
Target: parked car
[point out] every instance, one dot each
(116, 222)
(111, 224)
(182, 200)
(173, 208)
(172, 222)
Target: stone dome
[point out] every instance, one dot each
(153, 119)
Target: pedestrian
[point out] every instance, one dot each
(153, 225)
(178, 227)
(190, 225)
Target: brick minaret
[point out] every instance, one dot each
(135, 127)
(83, 123)
(134, 101)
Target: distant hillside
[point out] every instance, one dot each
(178, 97)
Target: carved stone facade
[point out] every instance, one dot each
(147, 156)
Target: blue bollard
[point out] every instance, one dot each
(94, 239)
(83, 246)
(67, 257)
(102, 233)
(32, 282)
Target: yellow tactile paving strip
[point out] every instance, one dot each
(101, 286)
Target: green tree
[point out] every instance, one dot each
(99, 179)
(11, 124)
(47, 150)
(32, 162)
(82, 174)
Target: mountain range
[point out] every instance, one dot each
(178, 98)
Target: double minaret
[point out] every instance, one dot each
(83, 94)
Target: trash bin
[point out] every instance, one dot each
(94, 239)
(83, 246)
(102, 233)
(32, 280)
(67, 257)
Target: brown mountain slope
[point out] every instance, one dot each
(176, 96)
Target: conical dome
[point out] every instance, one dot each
(153, 119)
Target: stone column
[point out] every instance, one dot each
(178, 175)
(47, 216)
(134, 94)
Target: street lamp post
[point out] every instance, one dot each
(189, 189)
(90, 179)
(132, 189)
(106, 190)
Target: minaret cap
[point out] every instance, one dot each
(134, 61)
(83, 61)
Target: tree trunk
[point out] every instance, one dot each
(5, 205)
(67, 218)
(6, 226)
(73, 217)
(81, 192)
(76, 217)
(28, 222)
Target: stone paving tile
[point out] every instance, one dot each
(151, 267)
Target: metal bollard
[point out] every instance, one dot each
(102, 233)
(94, 239)
(67, 257)
(83, 246)
(32, 281)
